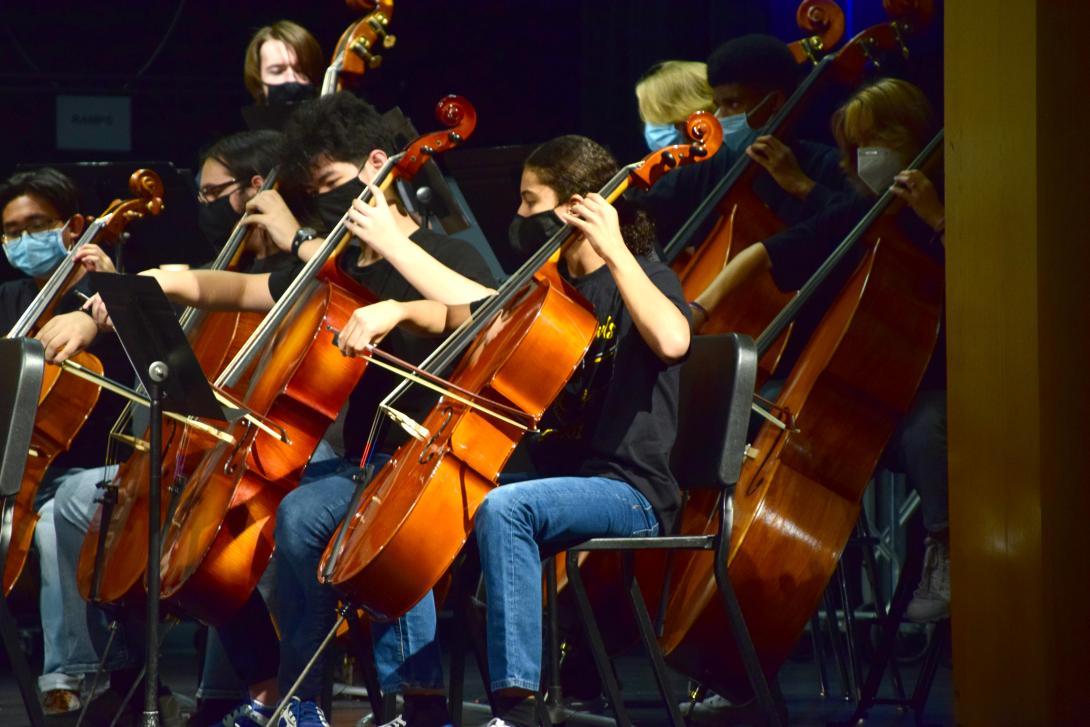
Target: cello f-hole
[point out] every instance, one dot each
(428, 453)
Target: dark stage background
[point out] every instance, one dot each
(533, 69)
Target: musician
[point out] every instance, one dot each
(751, 77)
(609, 434)
(879, 130)
(667, 94)
(40, 222)
(231, 172)
(283, 64)
(332, 148)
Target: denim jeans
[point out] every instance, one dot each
(81, 627)
(306, 609)
(514, 525)
(918, 449)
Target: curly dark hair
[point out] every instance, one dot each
(47, 183)
(761, 61)
(341, 126)
(577, 165)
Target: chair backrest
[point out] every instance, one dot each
(716, 394)
(22, 365)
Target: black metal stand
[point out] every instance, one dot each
(157, 375)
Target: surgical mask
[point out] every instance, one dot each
(292, 92)
(331, 206)
(877, 166)
(217, 220)
(528, 234)
(37, 253)
(737, 133)
(659, 135)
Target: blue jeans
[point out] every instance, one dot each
(514, 524)
(306, 609)
(66, 618)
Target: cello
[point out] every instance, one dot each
(219, 539)
(799, 494)
(112, 559)
(403, 531)
(65, 402)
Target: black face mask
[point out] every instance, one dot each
(285, 94)
(528, 234)
(217, 220)
(330, 206)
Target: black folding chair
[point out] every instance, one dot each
(22, 365)
(717, 385)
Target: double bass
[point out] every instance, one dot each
(742, 218)
(521, 346)
(65, 400)
(355, 52)
(799, 494)
(220, 538)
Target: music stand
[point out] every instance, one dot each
(159, 352)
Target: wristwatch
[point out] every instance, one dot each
(302, 235)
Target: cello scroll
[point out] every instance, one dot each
(707, 136)
(824, 20)
(147, 189)
(460, 118)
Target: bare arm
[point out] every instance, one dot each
(370, 324)
(662, 326)
(215, 289)
(375, 226)
(746, 265)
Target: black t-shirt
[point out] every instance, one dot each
(617, 416)
(386, 283)
(798, 251)
(674, 197)
(89, 446)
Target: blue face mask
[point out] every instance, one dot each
(737, 133)
(37, 253)
(660, 135)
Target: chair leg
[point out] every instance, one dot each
(745, 644)
(881, 606)
(855, 676)
(553, 699)
(939, 640)
(650, 641)
(365, 657)
(19, 666)
(469, 633)
(832, 624)
(819, 656)
(594, 639)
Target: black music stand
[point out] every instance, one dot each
(167, 367)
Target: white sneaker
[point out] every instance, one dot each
(398, 721)
(931, 600)
(710, 710)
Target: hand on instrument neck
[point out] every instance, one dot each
(380, 226)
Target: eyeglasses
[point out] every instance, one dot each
(34, 226)
(211, 192)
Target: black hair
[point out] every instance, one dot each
(47, 183)
(577, 165)
(246, 154)
(760, 61)
(340, 126)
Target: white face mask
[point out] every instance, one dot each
(877, 166)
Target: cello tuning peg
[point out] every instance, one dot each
(389, 41)
(361, 49)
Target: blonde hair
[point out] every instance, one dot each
(890, 113)
(307, 52)
(672, 90)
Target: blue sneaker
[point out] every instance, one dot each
(251, 714)
(303, 714)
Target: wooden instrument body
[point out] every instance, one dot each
(796, 504)
(64, 404)
(220, 539)
(215, 338)
(418, 512)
